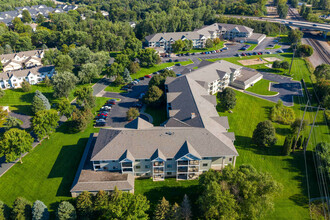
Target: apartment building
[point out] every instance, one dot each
(193, 140)
(199, 36)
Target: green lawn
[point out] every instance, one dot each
(250, 48)
(292, 203)
(275, 47)
(216, 47)
(159, 115)
(261, 88)
(146, 71)
(47, 171)
(20, 101)
(299, 67)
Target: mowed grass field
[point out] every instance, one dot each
(261, 88)
(48, 170)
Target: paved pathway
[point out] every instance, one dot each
(26, 119)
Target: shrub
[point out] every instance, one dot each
(227, 98)
(132, 114)
(281, 114)
(287, 146)
(26, 87)
(276, 64)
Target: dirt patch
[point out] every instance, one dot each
(252, 62)
(272, 59)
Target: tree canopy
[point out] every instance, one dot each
(264, 134)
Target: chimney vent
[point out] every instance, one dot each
(193, 115)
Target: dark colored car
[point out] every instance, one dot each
(178, 64)
(176, 60)
(193, 54)
(170, 60)
(141, 78)
(100, 124)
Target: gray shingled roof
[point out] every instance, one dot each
(173, 35)
(139, 123)
(25, 72)
(247, 76)
(142, 143)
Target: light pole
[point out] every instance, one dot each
(294, 51)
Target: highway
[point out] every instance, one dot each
(293, 23)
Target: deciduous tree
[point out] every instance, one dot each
(154, 96)
(132, 114)
(11, 122)
(322, 72)
(264, 134)
(209, 43)
(45, 122)
(88, 72)
(63, 63)
(304, 50)
(64, 107)
(26, 16)
(80, 55)
(148, 57)
(63, 83)
(134, 67)
(227, 98)
(14, 143)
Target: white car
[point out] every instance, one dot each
(106, 108)
(100, 121)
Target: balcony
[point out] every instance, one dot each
(158, 170)
(158, 164)
(182, 163)
(192, 176)
(182, 169)
(130, 165)
(194, 162)
(127, 169)
(193, 169)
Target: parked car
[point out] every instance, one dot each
(280, 51)
(178, 64)
(147, 76)
(192, 53)
(176, 60)
(102, 114)
(141, 78)
(261, 53)
(314, 25)
(178, 74)
(170, 60)
(225, 48)
(102, 117)
(254, 53)
(141, 95)
(105, 108)
(187, 54)
(243, 54)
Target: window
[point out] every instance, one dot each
(137, 160)
(137, 167)
(96, 162)
(169, 158)
(147, 159)
(113, 161)
(230, 159)
(169, 166)
(205, 164)
(169, 173)
(147, 166)
(97, 167)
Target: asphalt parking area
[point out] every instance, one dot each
(285, 87)
(117, 116)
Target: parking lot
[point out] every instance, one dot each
(117, 116)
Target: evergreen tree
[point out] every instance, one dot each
(126, 76)
(40, 102)
(162, 210)
(66, 211)
(26, 87)
(21, 209)
(186, 208)
(85, 205)
(47, 81)
(100, 203)
(39, 211)
(299, 142)
(175, 213)
(287, 145)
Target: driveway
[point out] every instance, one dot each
(117, 116)
(285, 86)
(26, 119)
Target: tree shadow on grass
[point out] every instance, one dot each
(246, 143)
(66, 166)
(297, 165)
(283, 131)
(173, 194)
(28, 97)
(267, 111)
(23, 109)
